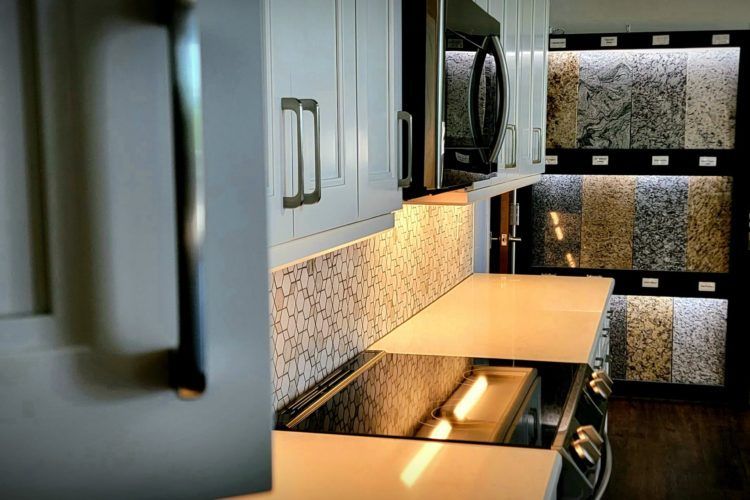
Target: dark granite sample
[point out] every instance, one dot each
(649, 338)
(607, 222)
(711, 103)
(561, 195)
(709, 224)
(660, 235)
(618, 336)
(604, 100)
(700, 330)
(658, 115)
(562, 99)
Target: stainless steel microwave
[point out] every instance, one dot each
(455, 86)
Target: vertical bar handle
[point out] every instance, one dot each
(514, 147)
(187, 369)
(505, 115)
(537, 132)
(406, 117)
(313, 107)
(295, 105)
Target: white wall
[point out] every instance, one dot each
(596, 16)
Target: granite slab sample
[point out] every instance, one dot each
(560, 194)
(699, 351)
(562, 99)
(709, 224)
(562, 240)
(458, 65)
(660, 235)
(607, 221)
(659, 86)
(604, 100)
(711, 97)
(618, 336)
(649, 345)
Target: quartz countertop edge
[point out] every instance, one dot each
(329, 466)
(522, 317)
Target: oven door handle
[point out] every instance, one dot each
(606, 473)
(503, 80)
(475, 76)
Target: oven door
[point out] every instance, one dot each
(476, 106)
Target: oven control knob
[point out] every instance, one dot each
(601, 384)
(588, 446)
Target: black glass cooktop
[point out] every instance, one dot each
(438, 397)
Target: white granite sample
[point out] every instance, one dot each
(658, 115)
(604, 99)
(711, 102)
(699, 351)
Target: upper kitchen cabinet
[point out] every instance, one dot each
(331, 119)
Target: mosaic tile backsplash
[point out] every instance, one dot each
(643, 99)
(665, 339)
(328, 309)
(650, 223)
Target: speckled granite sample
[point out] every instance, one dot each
(458, 66)
(711, 103)
(562, 240)
(604, 100)
(660, 235)
(607, 222)
(618, 336)
(709, 221)
(562, 99)
(560, 194)
(649, 345)
(658, 115)
(700, 330)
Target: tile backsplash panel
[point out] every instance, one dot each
(328, 309)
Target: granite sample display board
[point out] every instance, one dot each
(642, 223)
(643, 98)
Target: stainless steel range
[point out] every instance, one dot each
(557, 406)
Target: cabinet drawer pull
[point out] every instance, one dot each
(312, 106)
(295, 105)
(537, 132)
(407, 119)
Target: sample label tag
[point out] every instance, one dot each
(660, 161)
(609, 41)
(463, 158)
(600, 160)
(558, 43)
(707, 161)
(551, 160)
(660, 40)
(650, 282)
(720, 39)
(706, 286)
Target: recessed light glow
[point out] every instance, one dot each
(570, 259)
(470, 398)
(559, 233)
(555, 218)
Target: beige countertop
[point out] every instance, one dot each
(331, 467)
(540, 318)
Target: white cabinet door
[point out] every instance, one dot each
(313, 56)
(506, 11)
(86, 409)
(379, 99)
(525, 91)
(539, 84)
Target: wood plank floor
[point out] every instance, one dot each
(678, 450)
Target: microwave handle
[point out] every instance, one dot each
(505, 83)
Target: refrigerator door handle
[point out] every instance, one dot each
(187, 363)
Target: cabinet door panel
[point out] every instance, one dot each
(539, 84)
(525, 92)
(506, 11)
(379, 98)
(313, 56)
